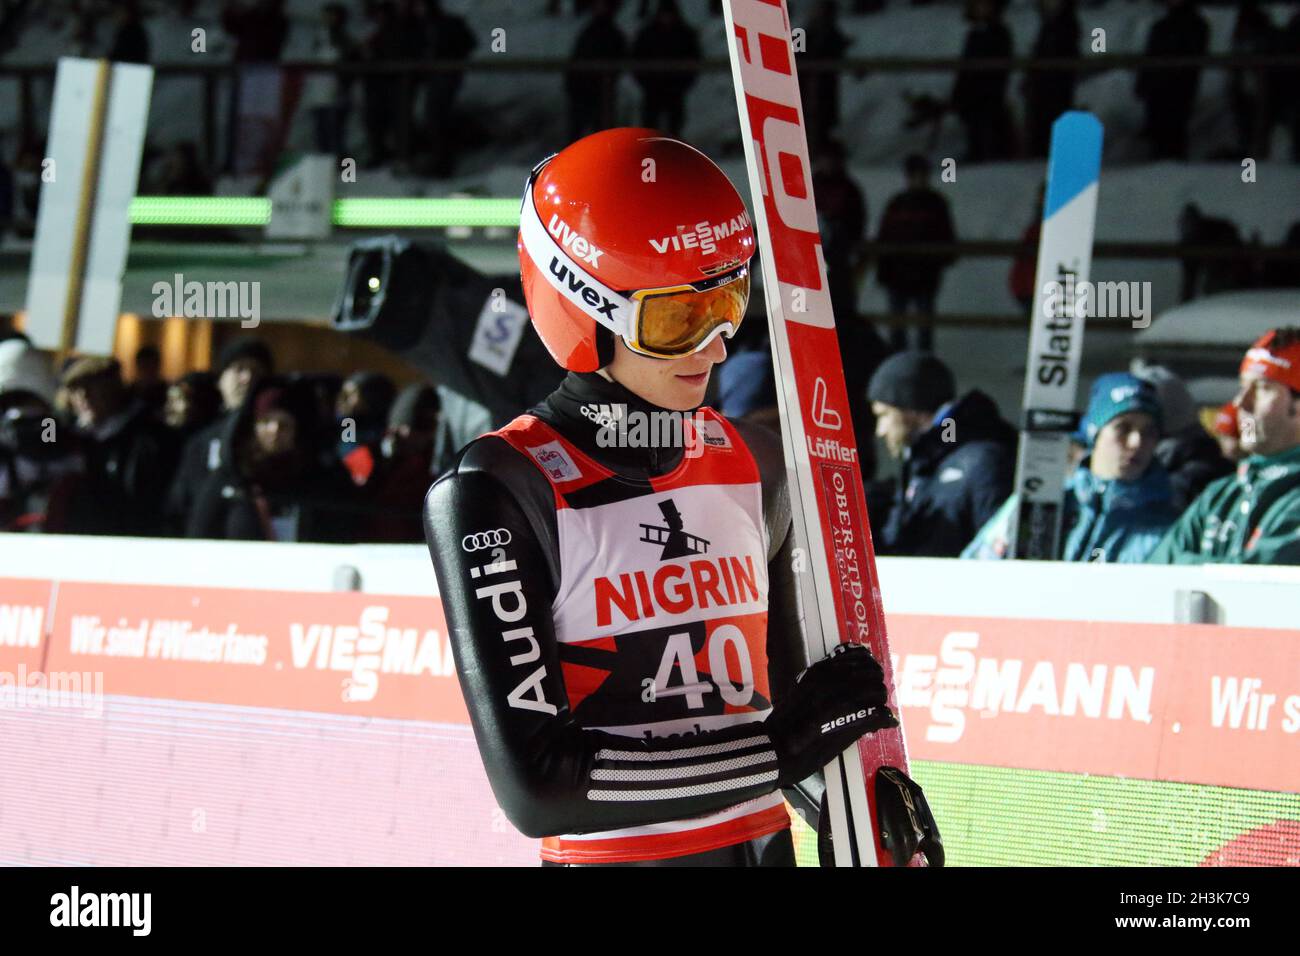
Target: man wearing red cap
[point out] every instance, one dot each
(1252, 516)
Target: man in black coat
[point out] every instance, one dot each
(124, 450)
(242, 364)
(1049, 93)
(957, 457)
(592, 96)
(1170, 94)
(917, 214)
(979, 97)
(666, 36)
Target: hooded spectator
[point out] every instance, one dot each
(1253, 515)
(1191, 456)
(957, 456)
(275, 482)
(34, 464)
(125, 453)
(1118, 499)
(361, 413)
(241, 365)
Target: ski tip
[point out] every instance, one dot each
(1075, 161)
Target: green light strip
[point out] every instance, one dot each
(425, 213)
(255, 211)
(200, 211)
(994, 816)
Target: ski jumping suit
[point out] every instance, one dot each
(621, 620)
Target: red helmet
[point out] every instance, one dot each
(630, 233)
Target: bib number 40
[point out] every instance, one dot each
(679, 656)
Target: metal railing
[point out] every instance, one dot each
(410, 73)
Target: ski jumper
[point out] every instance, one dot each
(622, 619)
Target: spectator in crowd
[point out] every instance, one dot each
(1118, 499)
(823, 40)
(842, 219)
(1253, 92)
(1168, 95)
(404, 470)
(450, 39)
(1208, 276)
(326, 95)
(193, 403)
(1049, 93)
(1253, 515)
(666, 36)
(242, 364)
(593, 97)
(361, 413)
(382, 91)
(979, 97)
(131, 41)
(124, 450)
(1024, 268)
(259, 33)
(1223, 425)
(916, 215)
(148, 388)
(34, 464)
(1186, 451)
(957, 456)
(275, 481)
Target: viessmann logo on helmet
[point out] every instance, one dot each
(703, 235)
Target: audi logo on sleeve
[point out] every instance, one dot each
(496, 538)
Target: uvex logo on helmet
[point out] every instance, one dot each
(579, 287)
(582, 249)
(703, 235)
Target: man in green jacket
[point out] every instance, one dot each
(1252, 516)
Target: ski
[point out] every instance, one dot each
(1056, 334)
(840, 592)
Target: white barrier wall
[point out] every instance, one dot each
(1238, 596)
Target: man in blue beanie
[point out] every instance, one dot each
(1118, 501)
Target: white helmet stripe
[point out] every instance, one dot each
(611, 309)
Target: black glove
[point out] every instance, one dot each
(831, 704)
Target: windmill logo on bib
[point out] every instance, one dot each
(676, 542)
